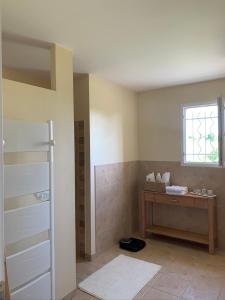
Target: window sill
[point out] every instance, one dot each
(201, 165)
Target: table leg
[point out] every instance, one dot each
(142, 214)
(212, 225)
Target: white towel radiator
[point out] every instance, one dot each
(31, 269)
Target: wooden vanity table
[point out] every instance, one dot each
(146, 225)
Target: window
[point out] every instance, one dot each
(202, 134)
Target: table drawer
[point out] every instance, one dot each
(149, 197)
(201, 203)
(175, 200)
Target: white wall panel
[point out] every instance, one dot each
(39, 289)
(26, 179)
(23, 136)
(25, 266)
(25, 222)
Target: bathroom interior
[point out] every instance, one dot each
(141, 162)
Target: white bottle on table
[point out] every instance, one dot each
(158, 177)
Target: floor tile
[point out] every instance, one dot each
(222, 294)
(107, 256)
(197, 294)
(203, 288)
(171, 283)
(84, 269)
(79, 295)
(154, 294)
(187, 273)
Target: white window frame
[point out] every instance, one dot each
(219, 103)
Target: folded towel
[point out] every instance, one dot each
(176, 190)
(176, 193)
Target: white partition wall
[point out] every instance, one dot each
(31, 271)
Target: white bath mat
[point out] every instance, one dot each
(120, 279)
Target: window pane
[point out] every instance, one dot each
(201, 134)
(189, 137)
(189, 158)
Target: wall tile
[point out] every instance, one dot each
(117, 199)
(116, 203)
(193, 177)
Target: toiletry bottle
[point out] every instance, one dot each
(158, 177)
(204, 190)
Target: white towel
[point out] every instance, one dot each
(176, 190)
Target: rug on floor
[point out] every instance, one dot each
(120, 279)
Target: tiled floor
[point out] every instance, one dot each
(188, 272)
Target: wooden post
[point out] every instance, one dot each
(212, 225)
(142, 219)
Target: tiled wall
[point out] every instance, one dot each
(80, 188)
(193, 177)
(117, 199)
(116, 203)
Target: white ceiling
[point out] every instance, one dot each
(142, 44)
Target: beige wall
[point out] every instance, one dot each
(1, 165)
(160, 119)
(113, 122)
(81, 97)
(27, 102)
(110, 113)
(113, 131)
(34, 77)
(160, 139)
